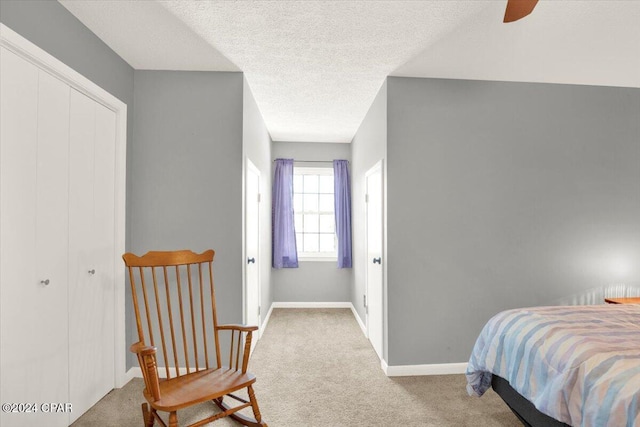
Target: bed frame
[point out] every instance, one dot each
(521, 407)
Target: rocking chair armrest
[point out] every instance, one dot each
(241, 328)
(148, 366)
(239, 350)
(141, 349)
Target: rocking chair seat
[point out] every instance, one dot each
(197, 387)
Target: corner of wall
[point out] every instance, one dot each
(368, 147)
(257, 146)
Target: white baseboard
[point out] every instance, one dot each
(415, 370)
(263, 327)
(132, 373)
(283, 304)
(362, 325)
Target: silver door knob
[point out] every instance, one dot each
(92, 271)
(377, 261)
(45, 282)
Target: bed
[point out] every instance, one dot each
(577, 365)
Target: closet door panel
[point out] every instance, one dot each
(52, 227)
(18, 145)
(92, 323)
(104, 230)
(33, 222)
(19, 284)
(82, 293)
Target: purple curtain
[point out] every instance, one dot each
(342, 197)
(284, 233)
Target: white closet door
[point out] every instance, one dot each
(33, 223)
(91, 263)
(104, 246)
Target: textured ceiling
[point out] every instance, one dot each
(576, 42)
(314, 67)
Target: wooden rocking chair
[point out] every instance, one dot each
(179, 307)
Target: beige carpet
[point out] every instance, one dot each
(315, 368)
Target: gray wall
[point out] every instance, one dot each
(313, 281)
(369, 146)
(503, 195)
(186, 172)
(257, 147)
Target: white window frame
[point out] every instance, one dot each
(316, 256)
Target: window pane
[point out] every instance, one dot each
(297, 203)
(298, 222)
(327, 243)
(326, 203)
(313, 193)
(311, 243)
(297, 183)
(298, 242)
(310, 203)
(311, 183)
(326, 184)
(327, 223)
(311, 223)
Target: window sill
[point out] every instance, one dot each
(317, 259)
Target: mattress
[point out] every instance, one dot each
(579, 365)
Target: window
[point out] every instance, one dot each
(314, 213)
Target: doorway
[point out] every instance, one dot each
(252, 249)
(374, 248)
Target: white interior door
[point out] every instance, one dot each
(34, 108)
(252, 245)
(91, 239)
(374, 213)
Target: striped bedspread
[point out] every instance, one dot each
(578, 364)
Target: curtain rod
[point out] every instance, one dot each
(312, 161)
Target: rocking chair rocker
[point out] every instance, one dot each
(179, 285)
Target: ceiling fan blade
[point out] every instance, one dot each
(518, 9)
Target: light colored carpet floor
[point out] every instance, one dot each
(314, 367)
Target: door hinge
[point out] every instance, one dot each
(259, 197)
(259, 310)
(366, 308)
(366, 198)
